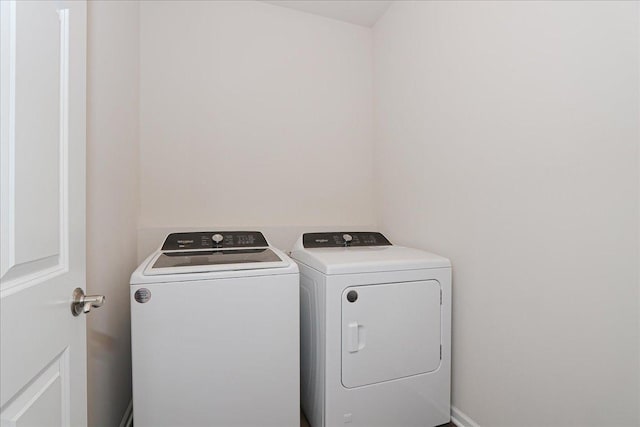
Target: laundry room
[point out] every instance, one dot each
(320, 213)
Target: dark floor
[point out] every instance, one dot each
(305, 423)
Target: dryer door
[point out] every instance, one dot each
(390, 331)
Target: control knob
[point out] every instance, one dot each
(217, 238)
(347, 238)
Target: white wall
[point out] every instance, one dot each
(112, 202)
(507, 139)
(253, 115)
(224, 87)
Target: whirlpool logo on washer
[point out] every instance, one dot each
(142, 295)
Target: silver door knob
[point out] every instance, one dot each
(82, 303)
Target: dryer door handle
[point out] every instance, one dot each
(353, 340)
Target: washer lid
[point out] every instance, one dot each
(200, 261)
(367, 259)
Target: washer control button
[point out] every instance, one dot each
(217, 238)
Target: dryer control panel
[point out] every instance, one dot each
(343, 239)
(213, 240)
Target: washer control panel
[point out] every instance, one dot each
(213, 240)
(343, 239)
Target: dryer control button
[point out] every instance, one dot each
(352, 296)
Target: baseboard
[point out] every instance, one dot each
(127, 418)
(461, 419)
(458, 417)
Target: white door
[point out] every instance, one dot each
(390, 331)
(42, 213)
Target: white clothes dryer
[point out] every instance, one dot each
(215, 333)
(375, 332)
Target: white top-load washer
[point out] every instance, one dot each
(215, 333)
(375, 332)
